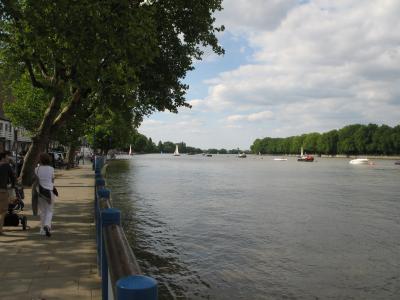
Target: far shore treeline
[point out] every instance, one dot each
(141, 144)
(353, 139)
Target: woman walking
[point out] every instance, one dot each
(45, 177)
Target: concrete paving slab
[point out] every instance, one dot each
(63, 266)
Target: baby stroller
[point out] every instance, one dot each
(12, 218)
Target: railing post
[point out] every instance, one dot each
(102, 193)
(98, 185)
(137, 287)
(109, 216)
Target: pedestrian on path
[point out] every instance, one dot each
(7, 178)
(45, 179)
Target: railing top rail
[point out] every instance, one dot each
(121, 260)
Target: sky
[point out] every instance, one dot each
(291, 67)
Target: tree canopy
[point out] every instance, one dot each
(353, 139)
(120, 54)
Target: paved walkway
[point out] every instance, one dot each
(35, 267)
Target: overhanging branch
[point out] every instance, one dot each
(34, 81)
(67, 110)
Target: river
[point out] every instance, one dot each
(227, 228)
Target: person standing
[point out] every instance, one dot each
(6, 177)
(45, 177)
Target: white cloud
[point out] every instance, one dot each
(262, 115)
(316, 65)
(255, 117)
(342, 55)
(244, 15)
(151, 122)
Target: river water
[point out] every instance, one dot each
(227, 228)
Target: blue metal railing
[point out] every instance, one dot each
(120, 274)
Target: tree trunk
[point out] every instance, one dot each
(71, 155)
(41, 139)
(31, 159)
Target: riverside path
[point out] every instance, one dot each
(34, 267)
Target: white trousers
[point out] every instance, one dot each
(45, 212)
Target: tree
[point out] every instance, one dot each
(27, 106)
(150, 146)
(160, 147)
(382, 140)
(351, 140)
(297, 143)
(169, 147)
(140, 143)
(108, 129)
(395, 136)
(106, 51)
(346, 141)
(310, 142)
(328, 143)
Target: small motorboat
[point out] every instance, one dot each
(209, 155)
(308, 158)
(242, 155)
(305, 157)
(280, 159)
(360, 161)
(397, 162)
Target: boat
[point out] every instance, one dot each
(397, 162)
(360, 161)
(308, 158)
(305, 157)
(130, 150)
(208, 154)
(176, 153)
(241, 155)
(280, 159)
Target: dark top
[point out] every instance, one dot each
(6, 175)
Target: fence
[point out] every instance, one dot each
(120, 273)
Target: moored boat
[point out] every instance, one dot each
(360, 161)
(280, 159)
(397, 162)
(305, 157)
(242, 155)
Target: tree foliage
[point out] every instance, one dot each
(353, 139)
(90, 53)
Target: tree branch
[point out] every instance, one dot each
(44, 70)
(35, 82)
(67, 110)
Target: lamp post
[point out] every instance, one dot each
(16, 150)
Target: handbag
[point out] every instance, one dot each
(55, 192)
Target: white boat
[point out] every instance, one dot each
(242, 155)
(280, 159)
(176, 153)
(360, 161)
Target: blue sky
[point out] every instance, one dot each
(290, 67)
